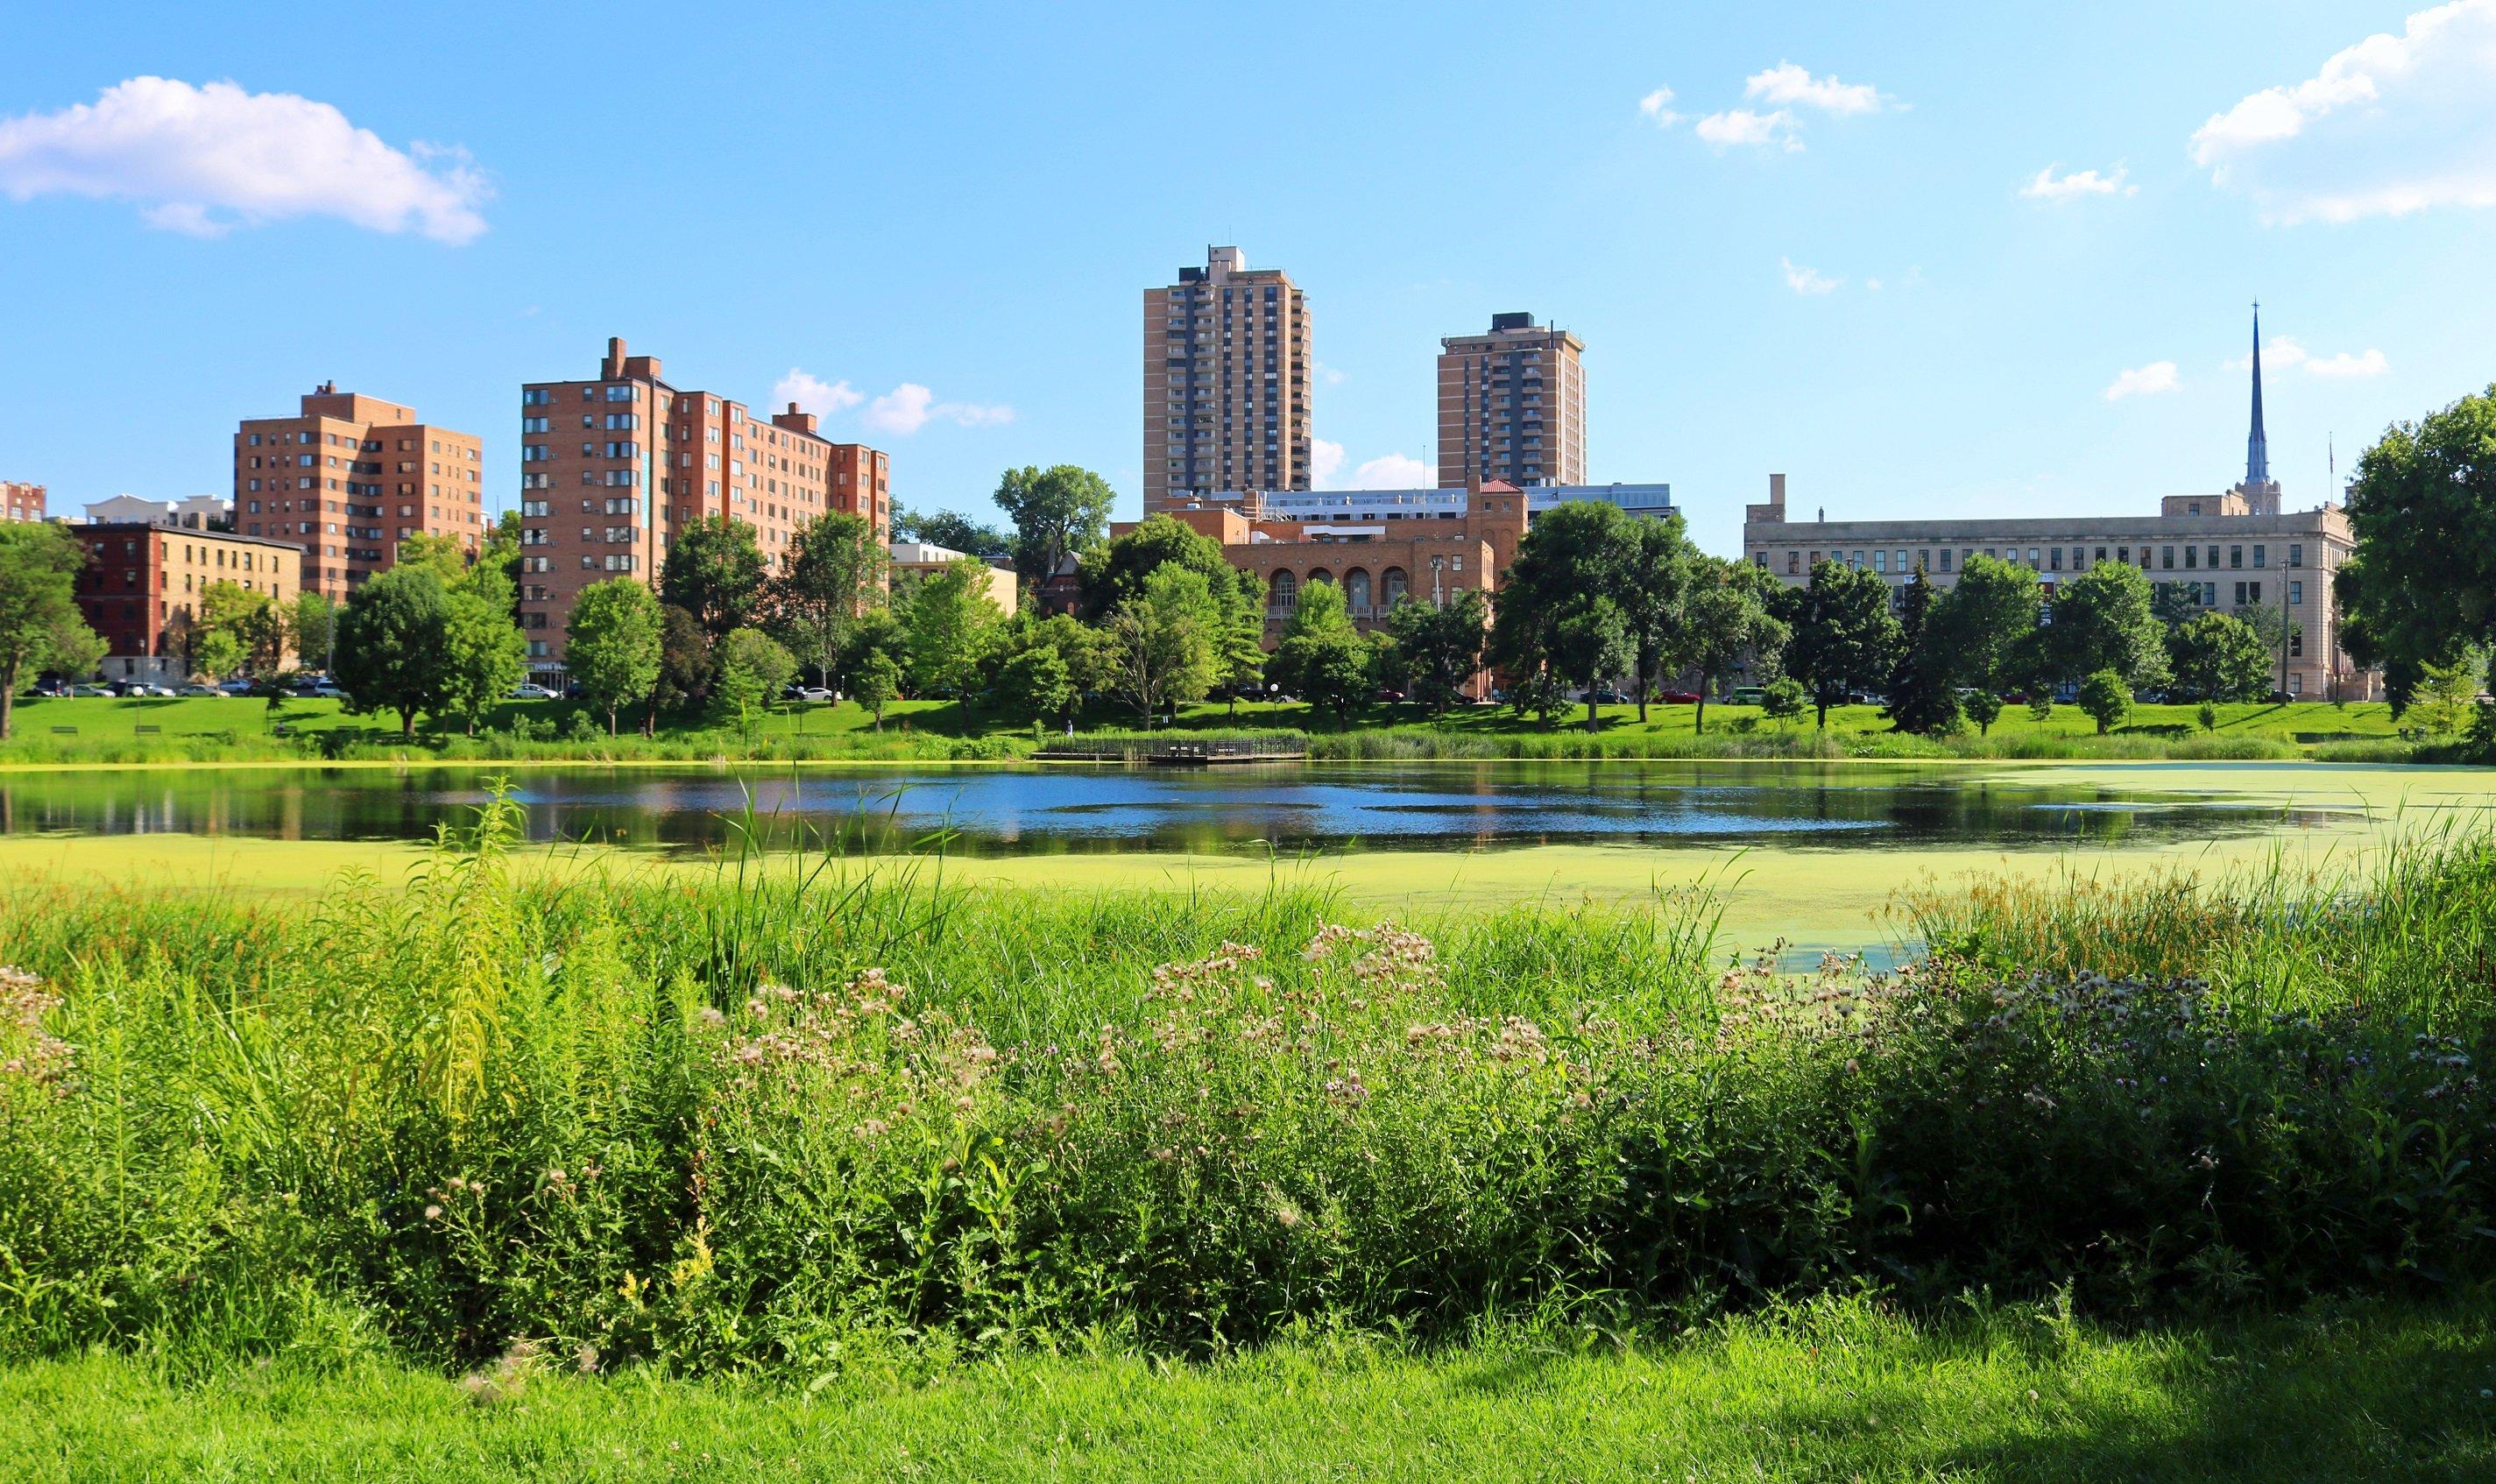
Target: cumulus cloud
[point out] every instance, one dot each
(203, 160)
(2282, 354)
(1804, 280)
(2144, 381)
(1393, 470)
(1786, 84)
(1657, 108)
(2049, 186)
(2369, 363)
(1739, 127)
(910, 407)
(2392, 125)
(814, 394)
(1325, 459)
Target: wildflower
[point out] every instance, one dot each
(433, 1213)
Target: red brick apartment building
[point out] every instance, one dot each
(610, 468)
(142, 583)
(21, 502)
(349, 478)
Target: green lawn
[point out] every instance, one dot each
(203, 729)
(2376, 1391)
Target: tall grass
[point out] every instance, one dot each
(1566, 742)
(802, 1115)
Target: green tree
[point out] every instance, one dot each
(484, 654)
(40, 626)
(2107, 698)
(685, 664)
(1056, 512)
(835, 571)
(948, 626)
(215, 654)
(1560, 603)
(1923, 683)
(1655, 584)
(1731, 613)
(1541, 694)
(1322, 658)
(2271, 628)
(1987, 628)
(952, 532)
(250, 622)
(2419, 588)
(392, 636)
(2214, 657)
(2447, 689)
(715, 572)
(1783, 698)
(1160, 642)
(874, 681)
(613, 644)
(2103, 622)
(1112, 573)
(311, 627)
(1440, 648)
(753, 666)
(445, 556)
(1239, 635)
(1843, 638)
(1033, 681)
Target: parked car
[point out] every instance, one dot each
(240, 685)
(144, 688)
(1676, 697)
(92, 690)
(1749, 694)
(1609, 697)
(197, 688)
(55, 689)
(807, 692)
(529, 690)
(1387, 698)
(320, 690)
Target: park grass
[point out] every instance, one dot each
(1835, 1390)
(203, 729)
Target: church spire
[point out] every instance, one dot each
(2257, 446)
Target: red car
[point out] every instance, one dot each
(1676, 697)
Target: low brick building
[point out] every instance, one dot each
(913, 561)
(142, 582)
(21, 501)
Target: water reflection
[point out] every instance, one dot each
(1039, 811)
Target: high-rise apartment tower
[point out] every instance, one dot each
(350, 476)
(610, 468)
(1511, 405)
(1225, 381)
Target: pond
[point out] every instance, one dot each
(994, 812)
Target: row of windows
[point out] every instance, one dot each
(2043, 560)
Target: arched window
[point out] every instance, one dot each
(1393, 585)
(1355, 592)
(1319, 575)
(1283, 592)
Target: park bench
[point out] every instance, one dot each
(65, 731)
(147, 729)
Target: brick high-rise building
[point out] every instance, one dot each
(1225, 381)
(1511, 405)
(610, 467)
(21, 502)
(350, 476)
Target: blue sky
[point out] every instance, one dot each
(1823, 254)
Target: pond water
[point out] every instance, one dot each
(1037, 809)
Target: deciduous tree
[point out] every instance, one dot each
(1440, 648)
(2103, 622)
(392, 636)
(613, 644)
(1321, 656)
(1560, 603)
(2215, 656)
(835, 572)
(948, 626)
(1986, 627)
(2421, 587)
(715, 572)
(1056, 512)
(1843, 638)
(40, 626)
(1731, 614)
(1160, 641)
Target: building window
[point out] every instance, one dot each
(2166, 557)
(1880, 561)
(2296, 554)
(2296, 644)
(1945, 559)
(2192, 558)
(2235, 557)
(2259, 552)
(2054, 559)
(1794, 563)
(2295, 592)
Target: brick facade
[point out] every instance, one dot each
(349, 478)
(142, 582)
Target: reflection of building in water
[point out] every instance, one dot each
(2233, 551)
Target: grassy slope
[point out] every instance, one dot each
(1839, 1392)
(106, 728)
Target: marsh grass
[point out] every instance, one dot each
(796, 1121)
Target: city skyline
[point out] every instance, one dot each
(1790, 241)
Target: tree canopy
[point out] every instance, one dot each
(40, 626)
(1843, 638)
(715, 572)
(613, 644)
(1056, 512)
(1560, 603)
(2421, 587)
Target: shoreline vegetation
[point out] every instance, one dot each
(208, 731)
(852, 1150)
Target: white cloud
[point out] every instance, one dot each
(1325, 459)
(1740, 127)
(2392, 125)
(812, 394)
(205, 160)
(1787, 83)
(1802, 280)
(2049, 186)
(2144, 381)
(1657, 107)
(1393, 470)
(2371, 363)
(910, 407)
(2281, 354)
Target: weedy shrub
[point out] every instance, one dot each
(802, 1117)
